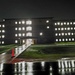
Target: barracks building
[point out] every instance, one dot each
(36, 30)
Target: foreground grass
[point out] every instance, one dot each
(48, 52)
(5, 48)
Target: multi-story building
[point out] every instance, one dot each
(64, 30)
(36, 31)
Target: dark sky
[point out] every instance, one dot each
(60, 9)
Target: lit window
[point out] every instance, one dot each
(65, 28)
(58, 28)
(41, 34)
(62, 28)
(63, 39)
(19, 22)
(19, 28)
(23, 22)
(3, 31)
(56, 34)
(72, 34)
(56, 40)
(59, 39)
(3, 26)
(2, 42)
(29, 34)
(58, 23)
(70, 22)
(0, 36)
(68, 28)
(61, 24)
(28, 22)
(0, 25)
(67, 23)
(74, 28)
(19, 34)
(64, 23)
(73, 22)
(69, 33)
(3, 36)
(69, 39)
(47, 21)
(23, 34)
(23, 28)
(66, 39)
(15, 35)
(47, 27)
(15, 22)
(28, 28)
(55, 29)
(72, 39)
(65, 33)
(23, 41)
(15, 28)
(71, 28)
(55, 23)
(62, 34)
(59, 34)
(16, 41)
(3, 19)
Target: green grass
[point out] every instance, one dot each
(5, 48)
(65, 43)
(48, 52)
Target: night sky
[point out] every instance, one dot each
(59, 9)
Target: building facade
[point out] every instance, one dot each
(36, 31)
(64, 30)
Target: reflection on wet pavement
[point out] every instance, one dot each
(19, 50)
(7, 57)
(60, 67)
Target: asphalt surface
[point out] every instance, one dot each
(8, 57)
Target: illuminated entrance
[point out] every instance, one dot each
(29, 41)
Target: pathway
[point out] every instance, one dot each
(7, 57)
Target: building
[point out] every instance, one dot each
(36, 30)
(64, 30)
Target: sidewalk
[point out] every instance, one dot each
(7, 57)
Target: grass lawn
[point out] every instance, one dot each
(48, 52)
(5, 48)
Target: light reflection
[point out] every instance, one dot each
(29, 73)
(29, 66)
(35, 68)
(51, 74)
(42, 63)
(66, 66)
(20, 49)
(1, 66)
(50, 68)
(72, 63)
(69, 64)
